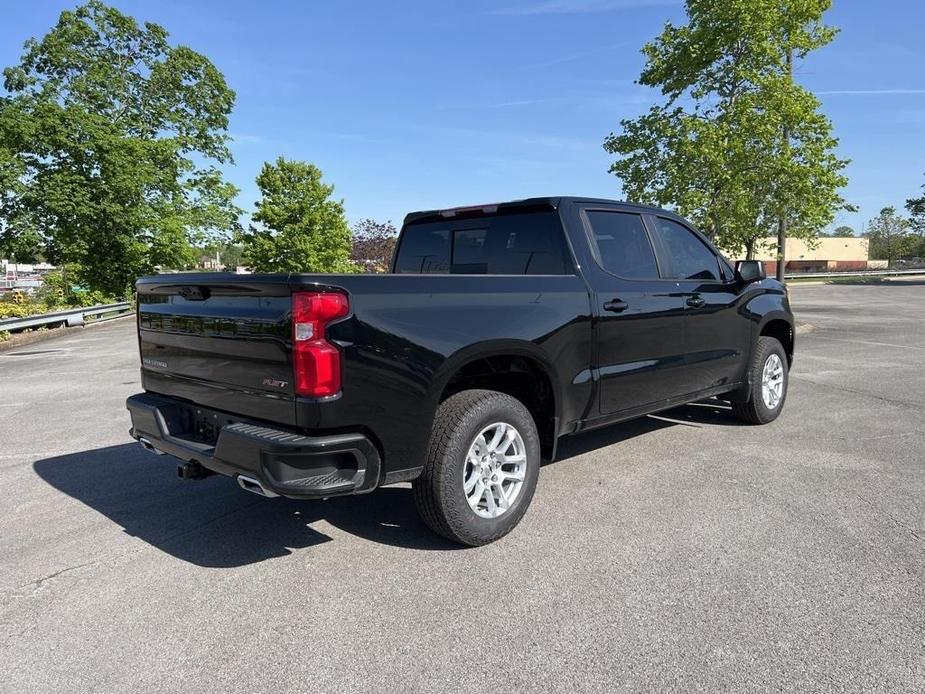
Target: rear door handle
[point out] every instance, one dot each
(616, 306)
(695, 301)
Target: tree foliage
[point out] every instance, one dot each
(715, 150)
(110, 140)
(916, 208)
(842, 232)
(22, 244)
(301, 228)
(373, 245)
(889, 236)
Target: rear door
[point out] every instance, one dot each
(716, 333)
(221, 341)
(639, 314)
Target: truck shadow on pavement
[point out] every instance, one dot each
(212, 523)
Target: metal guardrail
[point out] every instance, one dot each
(858, 273)
(70, 318)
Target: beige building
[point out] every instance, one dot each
(825, 255)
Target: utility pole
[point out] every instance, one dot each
(782, 220)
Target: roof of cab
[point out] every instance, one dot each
(532, 204)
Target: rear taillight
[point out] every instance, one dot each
(315, 360)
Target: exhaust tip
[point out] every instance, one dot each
(250, 484)
(148, 446)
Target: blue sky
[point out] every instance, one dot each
(413, 105)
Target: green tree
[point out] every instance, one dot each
(737, 144)
(916, 208)
(374, 244)
(110, 140)
(843, 232)
(301, 228)
(889, 236)
(21, 245)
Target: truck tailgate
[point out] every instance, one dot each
(221, 341)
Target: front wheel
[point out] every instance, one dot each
(482, 466)
(769, 378)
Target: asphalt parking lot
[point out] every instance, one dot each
(676, 553)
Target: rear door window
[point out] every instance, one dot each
(505, 244)
(690, 257)
(623, 246)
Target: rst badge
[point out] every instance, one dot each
(274, 383)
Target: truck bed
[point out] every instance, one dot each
(223, 342)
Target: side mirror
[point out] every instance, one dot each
(748, 271)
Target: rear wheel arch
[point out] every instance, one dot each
(517, 371)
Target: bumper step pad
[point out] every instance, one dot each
(288, 463)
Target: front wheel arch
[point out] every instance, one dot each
(782, 330)
(752, 407)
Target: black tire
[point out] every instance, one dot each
(755, 410)
(438, 492)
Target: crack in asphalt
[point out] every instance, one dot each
(892, 401)
(893, 518)
(869, 342)
(37, 582)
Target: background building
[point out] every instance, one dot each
(827, 255)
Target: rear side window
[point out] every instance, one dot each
(623, 245)
(506, 244)
(691, 258)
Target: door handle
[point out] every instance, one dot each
(616, 306)
(695, 301)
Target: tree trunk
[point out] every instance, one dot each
(781, 246)
(750, 249)
(782, 220)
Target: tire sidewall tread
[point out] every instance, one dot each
(753, 410)
(438, 492)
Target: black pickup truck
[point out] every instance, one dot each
(500, 329)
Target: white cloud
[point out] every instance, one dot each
(577, 6)
(577, 56)
(246, 138)
(869, 92)
(496, 105)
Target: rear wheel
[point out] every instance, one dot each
(769, 377)
(482, 467)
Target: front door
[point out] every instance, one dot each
(716, 333)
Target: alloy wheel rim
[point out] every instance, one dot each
(772, 382)
(496, 466)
